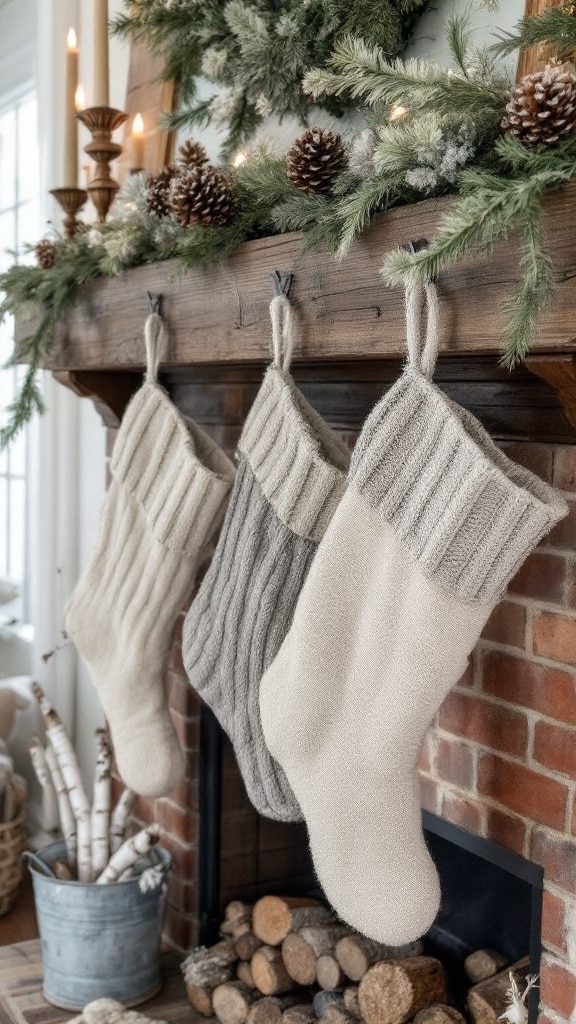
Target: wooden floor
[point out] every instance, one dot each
(19, 924)
(22, 1001)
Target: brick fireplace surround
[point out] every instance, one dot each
(499, 759)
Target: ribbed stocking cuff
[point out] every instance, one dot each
(175, 472)
(467, 514)
(296, 457)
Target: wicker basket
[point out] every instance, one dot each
(13, 837)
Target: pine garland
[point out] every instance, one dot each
(553, 29)
(27, 289)
(256, 51)
(449, 141)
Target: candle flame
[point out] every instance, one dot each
(398, 112)
(79, 98)
(239, 159)
(71, 40)
(138, 125)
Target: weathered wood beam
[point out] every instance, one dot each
(219, 314)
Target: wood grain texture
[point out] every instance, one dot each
(535, 56)
(219, 314)
(22, 1002)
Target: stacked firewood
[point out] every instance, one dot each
(290, 961)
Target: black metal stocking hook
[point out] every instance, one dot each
(282, 283)
(155, 300)
(416, 245)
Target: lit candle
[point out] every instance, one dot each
(137, 144)
(79, 98)
(71, 124)
(101, 72)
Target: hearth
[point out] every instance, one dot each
(491, 897)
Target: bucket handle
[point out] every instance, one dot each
(32, 860)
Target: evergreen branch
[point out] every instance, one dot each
(360, 71)
(28, 290)
(458, 38)
(20, 411)
(298, 211)
(523, 309)
(555, 27)
(263, 179)
(356, 210)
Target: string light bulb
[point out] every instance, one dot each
(239, 159)
(398, 112)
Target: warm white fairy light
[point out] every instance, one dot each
(398, 112)
(239, 159)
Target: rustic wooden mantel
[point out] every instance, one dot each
(219, 314)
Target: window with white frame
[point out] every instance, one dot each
(19, 223)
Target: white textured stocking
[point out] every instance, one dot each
(168, 492)
(434, 523)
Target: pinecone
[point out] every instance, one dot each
(158, 190)
(315, 160)
(542, 108)
(192, 154)
(45, 253)
(202, 195)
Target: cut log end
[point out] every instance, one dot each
(302, 1013)
(269, 972)
(393, 991)
(483, 964)
(328, 972)
(201, 999)
(439, 1014)
(231, 1002)
(274, 917)
(487, 1001)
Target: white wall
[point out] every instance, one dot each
(17, 44)
(429, 38)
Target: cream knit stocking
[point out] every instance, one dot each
(291, 475)
(169, 487)
(434, 523)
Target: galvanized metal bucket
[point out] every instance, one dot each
(98, 940)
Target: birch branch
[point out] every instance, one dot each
(50, 814)
(67, 819)
(70, 769)
(130, 851)
(119, 819)
(101, 803)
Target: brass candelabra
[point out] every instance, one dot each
(101, 123)
(71, 200)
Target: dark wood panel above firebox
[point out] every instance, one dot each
(515, 405)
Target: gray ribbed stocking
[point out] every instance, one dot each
(291, 475)
(434, 523)
(168, 492)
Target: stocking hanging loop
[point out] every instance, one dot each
(154, 336)
(423, 357)
(282, 332)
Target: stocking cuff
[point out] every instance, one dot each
(298, 460)
(175, 472)
(466, 513)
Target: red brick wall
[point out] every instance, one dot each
(500, 759)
